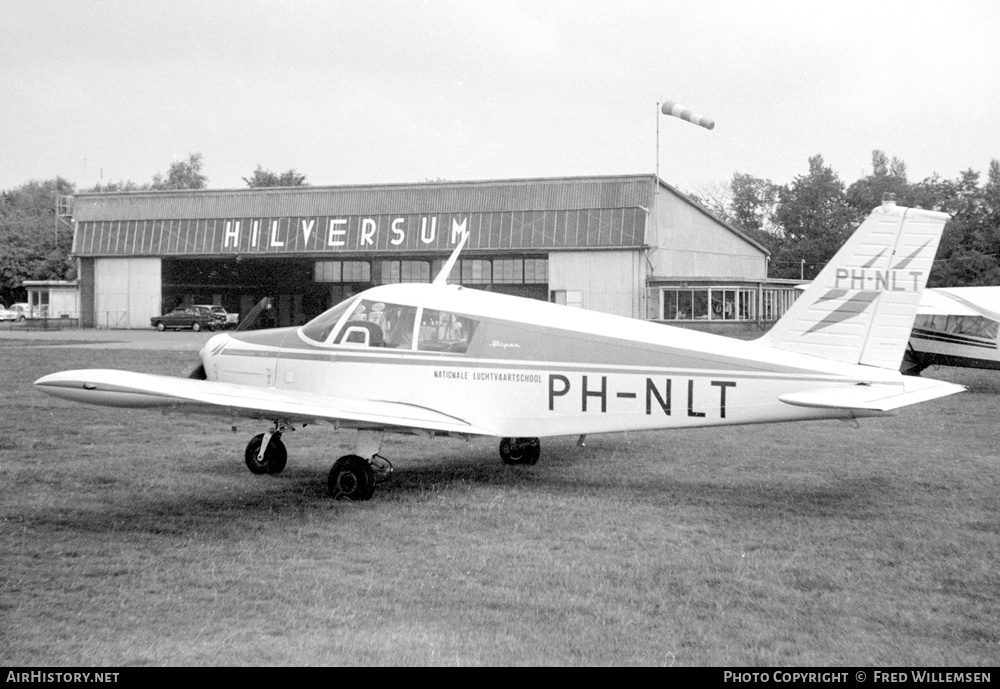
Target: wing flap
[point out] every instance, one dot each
(128, 389)
(873, 397)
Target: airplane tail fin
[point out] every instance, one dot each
(861, 307)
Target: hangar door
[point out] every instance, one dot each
(126, 292)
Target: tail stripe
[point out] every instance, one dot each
(849, 309)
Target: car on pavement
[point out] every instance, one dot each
(194, 317)
(6, 314)
(223, 319)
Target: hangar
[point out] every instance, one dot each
(629, 245)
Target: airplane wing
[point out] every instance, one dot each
(128, 389)
(877, 397)
(938, 303)
(961, 301)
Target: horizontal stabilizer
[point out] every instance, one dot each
(876, 397)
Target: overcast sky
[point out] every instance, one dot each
(380, 92)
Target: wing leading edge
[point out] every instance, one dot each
(114, 388)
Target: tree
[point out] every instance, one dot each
(35, 245)
(182, 174)
(969, 253)
(815, 218)
(120, 185)
(266, 178)
(753, 203)
(886, 178)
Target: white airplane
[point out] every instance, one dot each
(444, 360)
(955, 326)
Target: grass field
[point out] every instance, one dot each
(134, 538)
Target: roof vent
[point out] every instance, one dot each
(888, 199)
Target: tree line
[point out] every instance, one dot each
(801, 223)
(35, 244)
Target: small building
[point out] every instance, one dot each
(629, 245)
(53, 298)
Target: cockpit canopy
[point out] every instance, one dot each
(364, 322)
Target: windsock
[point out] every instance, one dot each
(678, 110)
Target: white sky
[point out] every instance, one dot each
(394, 91)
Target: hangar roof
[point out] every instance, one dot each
(564, 213)
(385, 199)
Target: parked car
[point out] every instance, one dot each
(223, 319)
(6, 314)
(194, 317)
(22, 311)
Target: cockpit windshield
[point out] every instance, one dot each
(379, 324)
(319, 328)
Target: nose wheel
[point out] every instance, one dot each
(266, 454)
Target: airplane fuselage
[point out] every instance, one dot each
(534, 369)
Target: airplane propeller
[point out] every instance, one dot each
(251, 317)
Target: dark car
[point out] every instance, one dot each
(223, 319)
(194, 317)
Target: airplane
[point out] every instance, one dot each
(446, 360)
(955, 326)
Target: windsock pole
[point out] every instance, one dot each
(675, 109)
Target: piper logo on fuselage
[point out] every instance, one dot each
(594, 393)
(879, 280)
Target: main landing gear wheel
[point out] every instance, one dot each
(520, 450)
(275, 456)
(352, 478)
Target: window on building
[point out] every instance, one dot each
(343, 271)
(508, 270)
(392, 272)
(536, 270)
(775, 301)
(567, 297)
(724, 303)
(476, 272)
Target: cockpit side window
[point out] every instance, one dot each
(975, 326)
(444, 331)
(379, 324)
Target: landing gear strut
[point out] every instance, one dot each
(520, 450)
(266, 454)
